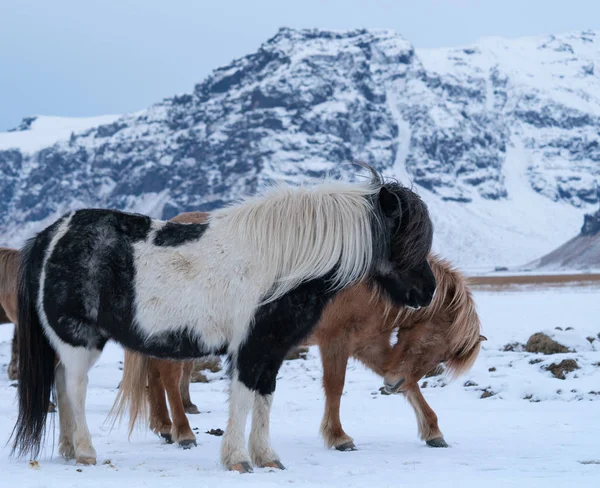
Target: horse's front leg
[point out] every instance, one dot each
(234, 455)
(261, 451)
(188, 406)
(426, 417)
(334, 356)
(181, 431)
(160, 422)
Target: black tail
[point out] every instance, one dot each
(36, 356)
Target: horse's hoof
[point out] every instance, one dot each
(85, 460)
(347, 446)
(243, 467)
(437, 442)
(273, 464)
(167, 437)
(191, 409)
(187, 443)
(66, 450)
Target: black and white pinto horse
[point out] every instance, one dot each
(251, 283)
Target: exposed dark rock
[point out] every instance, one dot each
(561, 369)
(542, 343)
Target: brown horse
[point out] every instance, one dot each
(359, 324)
(9, 270)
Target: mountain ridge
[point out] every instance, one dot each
(451, 121)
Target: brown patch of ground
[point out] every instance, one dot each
(487, 394)
(198, 377)
(517, 282)
(217, 432)
(437, 371)
(210, 363)
(513, 347)
(299, 352)
(540, 342)
(561, 369)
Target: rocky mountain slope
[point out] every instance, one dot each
(582, 252)
(501, 138)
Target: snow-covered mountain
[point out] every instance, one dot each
(501, 138)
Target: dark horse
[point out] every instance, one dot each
(251, 283)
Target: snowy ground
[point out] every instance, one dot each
(535, 430)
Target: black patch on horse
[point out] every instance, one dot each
(88, 294)
(279, 326)
(172, 234)
(92, 294)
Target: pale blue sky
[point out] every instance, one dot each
(89, 57)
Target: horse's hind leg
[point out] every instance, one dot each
(160, 422)
(65, 415)
(334, 357)
(77, 362)
(426, 418)
(181, 431)
(188, 406)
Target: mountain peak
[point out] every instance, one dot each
(494, 122)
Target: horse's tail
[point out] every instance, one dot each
(465, 329)
(36, 356)
(132, 394)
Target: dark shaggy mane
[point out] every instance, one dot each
(414, 236)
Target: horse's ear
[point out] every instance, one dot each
(482, 338)
(390, 203)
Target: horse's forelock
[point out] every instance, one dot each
(414, 236)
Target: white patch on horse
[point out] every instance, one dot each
(233, 449)
(63, 228)
(193, 285)
(260, 438)
(261, 248)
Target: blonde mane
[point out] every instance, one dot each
(303, 233)
(454, 301)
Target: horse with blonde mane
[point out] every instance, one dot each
(250, 283)
(358, 324)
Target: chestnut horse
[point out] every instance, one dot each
(358, 324)
(9, 270)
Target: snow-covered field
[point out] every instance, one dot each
(535, 430)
